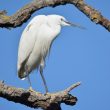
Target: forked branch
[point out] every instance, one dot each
(50, 101)
(24, 13)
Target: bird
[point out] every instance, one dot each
(35, 44)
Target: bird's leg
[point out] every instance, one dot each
(44, 81)
(30, 85)
(28, 78)
(30, 88)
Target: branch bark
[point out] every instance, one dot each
(50, 101)
(24, 13)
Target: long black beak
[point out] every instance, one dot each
(75, 25)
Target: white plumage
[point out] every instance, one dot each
(36, 41)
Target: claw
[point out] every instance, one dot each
(31, 90)
(47, 93)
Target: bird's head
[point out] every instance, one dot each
(60, 20)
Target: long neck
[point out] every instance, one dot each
(55, 28)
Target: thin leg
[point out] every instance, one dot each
(44, 81)
(28, 78)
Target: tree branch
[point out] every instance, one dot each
(24, 13)
(50, 101)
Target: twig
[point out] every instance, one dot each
(25, 13)
(72, 87)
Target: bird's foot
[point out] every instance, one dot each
(31, 89)
(47, 93)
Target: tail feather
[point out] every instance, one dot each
(21, 71)
(22, 74)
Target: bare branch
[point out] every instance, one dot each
(72, 87)
(50, 101)
(24, 13)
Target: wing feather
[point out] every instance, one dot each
(27, 41)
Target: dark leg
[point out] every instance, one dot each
(28, 78)
(44, 81)
(30, 86)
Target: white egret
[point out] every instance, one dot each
(36, 41)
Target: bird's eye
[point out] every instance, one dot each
(62, 19)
